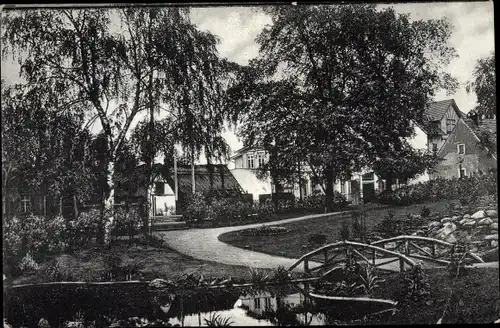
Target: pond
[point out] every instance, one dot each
(137, 304)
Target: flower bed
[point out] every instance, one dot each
(264, 231)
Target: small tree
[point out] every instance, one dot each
(484, 86)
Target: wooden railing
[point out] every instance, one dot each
(351, 251)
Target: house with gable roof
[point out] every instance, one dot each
(463, 153)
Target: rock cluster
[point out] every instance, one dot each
(480, 229)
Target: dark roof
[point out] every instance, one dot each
(490, 125)
(433, 129)
(437, 109)
(202, 179)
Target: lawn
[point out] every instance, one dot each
(291, 244)
(475, 298)
(153, 262)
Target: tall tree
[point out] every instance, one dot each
(157, 57)
(362, 76)
(483, 85)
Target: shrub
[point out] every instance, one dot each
(85, 229)
(425, 212)
(415, 287)
(359, 228)
(28, 264)
(466, 189)
(264, 231)
(37, 235)
(317, 239)
(344, 232)
(127, 222)
(316, 201)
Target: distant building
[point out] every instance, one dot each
(462, 154)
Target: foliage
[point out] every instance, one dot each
(415, 287)
(439, 189)
(316, 201)
(344, 232)
(334, 92)
(264, 231)
(28, 264)
(127, 221)
(369, 281)
(85, 229)
(483, 86)
(33, 234)
(392, 226)
(359, 229)
(217, 320)
(54, 272)
(425, 212)
(406, 164)
(317, 239)
(258, 275)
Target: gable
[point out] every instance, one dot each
(462, 134)
(437, 109)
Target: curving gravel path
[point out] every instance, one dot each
(204, 244)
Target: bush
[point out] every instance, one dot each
(425, 212)
(28, 264)
(359, 228)
(127, 222)
(85, 229)
(316, 201)
(392, 226)
(317, 239)
(344, 232)
(415, 286)
(467, 189)
(37, 235)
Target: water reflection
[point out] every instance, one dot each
(101, 306)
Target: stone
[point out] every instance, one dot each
(469, 224)
(446, 220)
(485, 221)
(450, 239)
(448, 228)
(494, 226)
(492, 213)
(491, 237)
(494, 243)
(455, 218)
(466, 216)
(434, 224)
(478, 215)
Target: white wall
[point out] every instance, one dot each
(419, 139)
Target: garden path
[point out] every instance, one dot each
(204, 244)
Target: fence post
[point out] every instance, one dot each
(374, 256)
(407, 247)
(326, 255)
(433, 249)
(401, 265)
(60, 205)
(306, 265)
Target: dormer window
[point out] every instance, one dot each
(250, 161)
(434, 147)
(261, 159)
(450, 124)
(461, 149)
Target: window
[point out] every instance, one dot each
(450, 124)
(250, 163)
(462, 172)
(267, 303)
(257, 303)
(434, 147)
(461, 149)
(342, 187)
(261, 159)
(25, 204)
(159, 188)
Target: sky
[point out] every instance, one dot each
(237, 28)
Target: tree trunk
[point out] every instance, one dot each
(210, 173)
(107, 217)
(75, 206)
(329, 189)
(193, 179)
(389, 182)
(300, 181)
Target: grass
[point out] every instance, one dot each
(475, 298)
(154, 262)
(290, 244)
